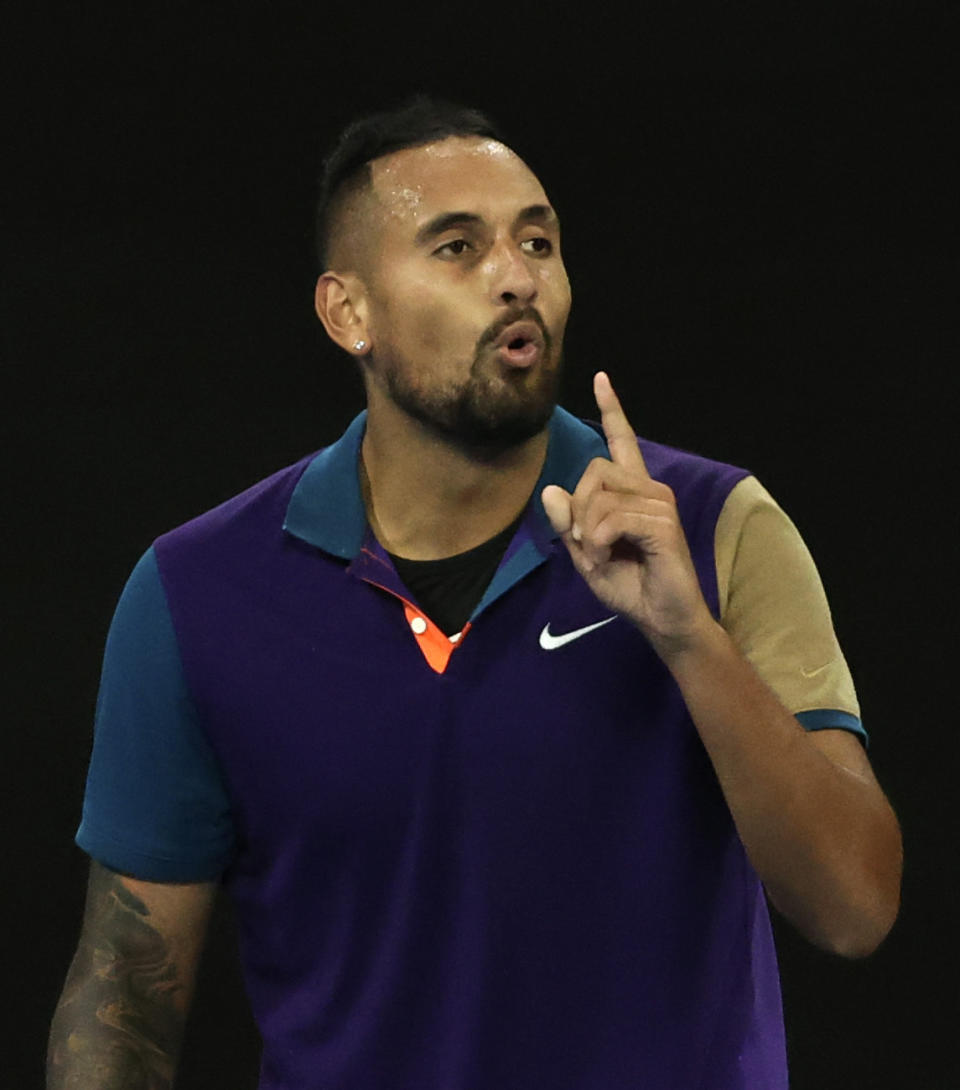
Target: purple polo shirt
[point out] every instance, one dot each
(515, 871)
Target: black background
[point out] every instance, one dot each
(758, 206)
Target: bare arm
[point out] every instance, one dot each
(810, 813)
(119, 1022)
(815, 822)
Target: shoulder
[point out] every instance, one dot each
(574, 441)
(263, 503)
(700, 484)
(751, 498)
(753, 527)
(673, 460)
(754, 533)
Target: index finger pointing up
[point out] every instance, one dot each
(624, 450)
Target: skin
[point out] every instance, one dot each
(119, 1022)
(808, 808)
(426, 309)
(815, 822)
(813, 819)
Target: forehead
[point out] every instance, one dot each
(458, 174)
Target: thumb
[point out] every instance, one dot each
(556, 503)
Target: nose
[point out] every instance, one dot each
(511, 278)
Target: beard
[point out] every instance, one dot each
(492, 411)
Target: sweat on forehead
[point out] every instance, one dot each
(401, 177)
(413, 183)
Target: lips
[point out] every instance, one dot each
(518, 335)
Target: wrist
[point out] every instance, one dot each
(681, 651)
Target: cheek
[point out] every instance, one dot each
(432, 328)
(420, 327)
(556, 287)
(556, 280)
(427, 320)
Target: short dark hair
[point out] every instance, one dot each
(419, 120)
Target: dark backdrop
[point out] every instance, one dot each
(758, 212)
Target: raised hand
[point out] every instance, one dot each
(624, 536)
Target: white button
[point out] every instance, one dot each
(419, 625)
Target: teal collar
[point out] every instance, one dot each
(326, 508)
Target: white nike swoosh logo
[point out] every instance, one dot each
(818, 670)
(550, 642)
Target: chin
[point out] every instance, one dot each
(492, 431)
(487, 416)
(485, 431)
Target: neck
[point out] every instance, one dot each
(427, 498)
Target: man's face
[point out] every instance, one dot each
(468, 294)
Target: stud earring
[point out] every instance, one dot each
(359, 346)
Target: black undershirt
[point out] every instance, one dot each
(447, 590)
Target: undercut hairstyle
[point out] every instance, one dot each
(346, 170)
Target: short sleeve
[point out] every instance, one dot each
(773, 605)
(155, 806)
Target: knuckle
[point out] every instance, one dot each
(608, 529)
(599, 506)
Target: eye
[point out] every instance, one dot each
(453, 248)
(539, 245)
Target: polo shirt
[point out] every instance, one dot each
(498, 859)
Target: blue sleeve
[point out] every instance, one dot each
(831, 719)
(155, 806)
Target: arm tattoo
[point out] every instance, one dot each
(119, 1022)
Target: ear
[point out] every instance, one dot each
(341, 304)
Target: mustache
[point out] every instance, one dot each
(524, 314)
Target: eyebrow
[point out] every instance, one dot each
(538, 213)
(534, 213)
(444, 222)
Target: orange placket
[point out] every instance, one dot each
(435, 645)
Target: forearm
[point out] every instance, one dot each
(823, 839)
(119, 1023)
(113, 1032)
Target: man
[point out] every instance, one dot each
(491, 721)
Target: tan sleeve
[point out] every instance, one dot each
(773, 605)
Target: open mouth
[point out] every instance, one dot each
(520, 344)
(520, 352)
